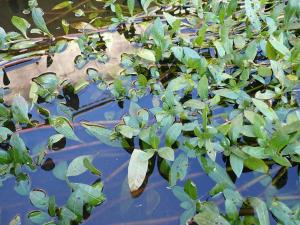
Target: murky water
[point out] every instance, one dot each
(156, 204)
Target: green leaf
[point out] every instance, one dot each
(19, 151)
(145, 4)
(278, 71)
(130, 4)
(261, 210)
(236, 164)
(170, 19)
(264, 71)
(283, 213)
(208, 216)
(146, 54)
(16, 220)
(77, 166)
(92, 195)
(256, 164)
(127, 131)
(21, 24)
(39, 198)
(79, 13)
(65, 25)
(215, 171)
(280, 47)
(137, 168)
(291, 8)
(265, 109)
(166, 153)
(60, 170)
(63, 126)
(177, 84)
(4, 157)
(191, 189)
(88, 164)
(54, 139)
(23, 45)
(256, 152)
(62, 5)
(203, 87)
(194, 104)
(101, 133)
(38, 217)
(37, 16)
(52, 206)
(266, 95)
(178, 169)
(251, 50)
(173, 133)
(239, 42)
(251, 13)
(200, 36)
(220, 49)
(188, 56)
(231, 7)
(4, 132)
(76, 203)
(23, 187)
(20, 110)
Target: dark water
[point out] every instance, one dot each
(156, 204)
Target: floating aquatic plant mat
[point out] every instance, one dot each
(211, 83)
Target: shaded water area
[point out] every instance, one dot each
(154, 203)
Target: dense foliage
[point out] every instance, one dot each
(194, 60)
